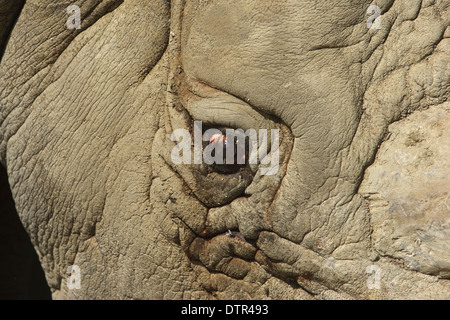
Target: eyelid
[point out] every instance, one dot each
(227, 111)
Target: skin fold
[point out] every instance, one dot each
(86, 122)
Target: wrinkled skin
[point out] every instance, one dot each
(85, 135)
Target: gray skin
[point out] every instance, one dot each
(85, 134)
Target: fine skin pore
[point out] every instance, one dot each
(86, 123)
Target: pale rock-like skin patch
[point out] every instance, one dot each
(408, 191)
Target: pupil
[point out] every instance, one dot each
(240, 154)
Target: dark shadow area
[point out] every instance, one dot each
(9, 13)
(21, 275)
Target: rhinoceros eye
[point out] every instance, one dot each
(228, 151)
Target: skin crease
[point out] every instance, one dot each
(85, 132)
